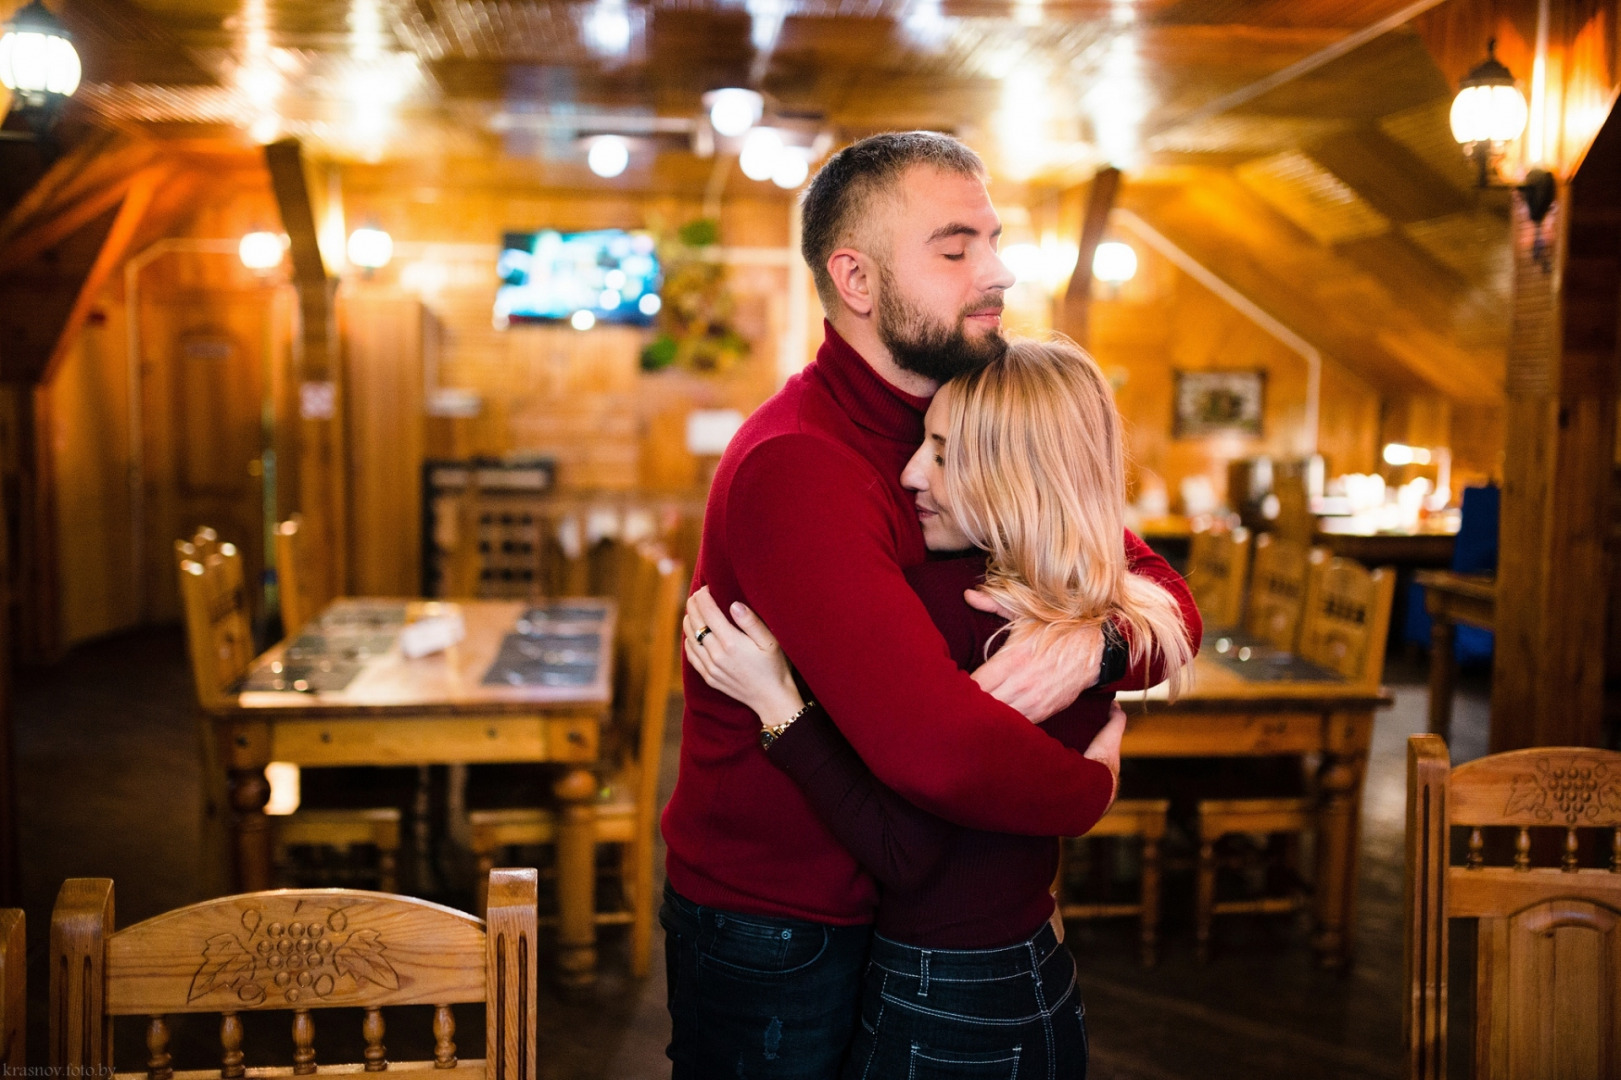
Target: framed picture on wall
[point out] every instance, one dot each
(1218, 403)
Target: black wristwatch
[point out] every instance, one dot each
(1116, 656)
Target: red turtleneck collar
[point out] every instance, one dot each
(865, 396)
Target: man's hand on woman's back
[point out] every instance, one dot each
(1039, 673)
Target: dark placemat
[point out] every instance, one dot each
(1276, 667)
(546, 660)
(339, 645)
(540, 619)
(317, 677)
(380, 616)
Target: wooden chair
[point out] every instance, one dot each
(1347, 618)
(628, 812)
(219, 634)
(1145, 819)
(1218, 569)
(199, 546)
(220, 639)
(378, 827)
(298, 605)
(295, 950)
(1547, 993)
(13, 991)
(1277, 593)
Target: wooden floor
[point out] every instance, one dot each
(109, 785)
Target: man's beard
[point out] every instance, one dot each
(936, 350)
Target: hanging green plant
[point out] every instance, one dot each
(695, 323)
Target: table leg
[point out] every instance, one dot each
(250, 829)
(576, 792)
(1339, 815)
(1443, 669)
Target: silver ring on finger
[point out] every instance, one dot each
(701, 634)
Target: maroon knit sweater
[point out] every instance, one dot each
(942, 886)
(808, 524)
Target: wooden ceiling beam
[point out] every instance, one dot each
(1075, 311)
(131, 212)
(321, 471)
(63, 223)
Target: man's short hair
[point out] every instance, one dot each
(845, 187)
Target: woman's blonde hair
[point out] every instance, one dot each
(1035, 475)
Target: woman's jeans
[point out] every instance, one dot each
(930, 1014)
(758, 997)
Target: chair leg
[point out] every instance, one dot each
(1150, 901)
(1205, 900)
(486, 863)
(640, 882)
(388, 877)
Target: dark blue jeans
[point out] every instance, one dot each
(952, 1014)
(758, 997)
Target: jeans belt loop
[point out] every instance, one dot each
(923, 982)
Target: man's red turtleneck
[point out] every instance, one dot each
(808, 524)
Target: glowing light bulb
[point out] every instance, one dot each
(608, 156)
(1114, 263)
(762, 151)
(260, 251)
(370, 248)
(734, 110)
(791, 170)
(583, 320)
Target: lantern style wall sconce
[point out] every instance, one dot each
(1488, 113)
(39, 65)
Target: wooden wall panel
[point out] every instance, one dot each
(1162, 322)
(91, 459)
(579, 398)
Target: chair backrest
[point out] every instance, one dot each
(218, 630)
(295, 950)
(1347, 617)
(1218, 568)
(292, 575)
(662, 630)
(1548, 940)
(13, 990)
(1277, 597)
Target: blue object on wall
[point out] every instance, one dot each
(1475, 552)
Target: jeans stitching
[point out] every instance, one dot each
(959, 1017)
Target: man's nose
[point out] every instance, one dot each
(998, 277)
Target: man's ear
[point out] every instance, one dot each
(848, 269)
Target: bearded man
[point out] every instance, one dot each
(767, 917)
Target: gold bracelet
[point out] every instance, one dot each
(769, 735)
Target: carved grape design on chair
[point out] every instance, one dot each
(302, 958)
(1568, 788)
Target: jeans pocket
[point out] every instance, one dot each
(738, 946)
(930, 1064)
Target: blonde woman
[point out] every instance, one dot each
(1022, 466)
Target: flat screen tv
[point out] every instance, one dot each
(605, 276)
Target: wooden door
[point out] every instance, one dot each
(218, 429)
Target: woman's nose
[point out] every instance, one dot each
(913, 477)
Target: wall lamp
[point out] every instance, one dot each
(40, 67)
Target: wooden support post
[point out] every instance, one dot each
(1547, 687)
(1076, 306)
(320, 443)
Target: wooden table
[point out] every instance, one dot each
(1226, 715)
(1452, 598)
(1422, 548)
(433, 710)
